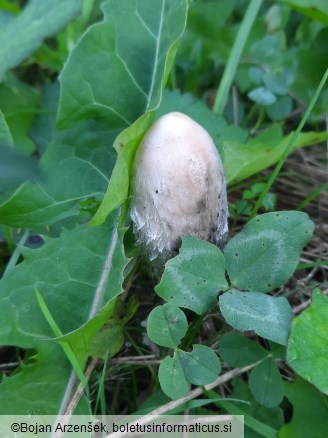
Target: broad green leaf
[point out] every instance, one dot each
(238, 351)
(76, 166)
(310, 411)
(270, 317)
(16, 168)
(194, 278)
(24, 33)
(167, 325)
(19, 104)
(77, 274)
(172, 378)
(315, 9)
(150, 29)
(266, 384)
(260, 421)
(5, 135)
(280, 109)
(244, 160)
(262, 96)
(201, 366)
(43, 128)
(266, 252)
(308, 344)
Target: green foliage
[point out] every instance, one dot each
(199, 367)
(167, 325)
(71, 294)
(35, 17)
(266, 384)
(59, 297)
(269, 317)
(238, 351)
(307, 346)
(310, 410)
(193, 279)
(265, 254)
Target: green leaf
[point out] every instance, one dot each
(238, 351)
(150, 30)
(310, 411)
(244, 160)
(270, 317)
(172, 378)
(77, 165)
(5, 135)
(19, 104)
(266, 252)
(278, 82)
(266, 384)
(108, 341)
(260, 421)
(315, 9)
(167, 325)
(308, 343)
(280, 109)
(262, 96)
(24, 34)
(201, 366)
(194, 278)
(77, 274)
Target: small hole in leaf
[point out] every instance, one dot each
(257, 220)
(277, 214)
(237, 255)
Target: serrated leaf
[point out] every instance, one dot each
(266, 252)
(310, 411)
(202, 366)
(238, 351)
(308, 343)
(24, 33)
(77, 274)
(167, 325)
(266, 384)
(270, 317)
(157, 27)
(194, 278)
(172, 378)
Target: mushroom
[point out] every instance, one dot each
(178, 189)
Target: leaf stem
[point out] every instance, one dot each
(290, 145)
(234, 57)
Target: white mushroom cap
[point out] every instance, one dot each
(178, 187)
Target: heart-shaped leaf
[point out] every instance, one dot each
(167, 325)
(194, 278)
(266, 252)
(270, 317)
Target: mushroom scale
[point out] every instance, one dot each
(178, 188)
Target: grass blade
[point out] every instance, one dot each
(65, 346)
(235, 54)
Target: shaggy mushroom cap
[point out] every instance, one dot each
(178, 187)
